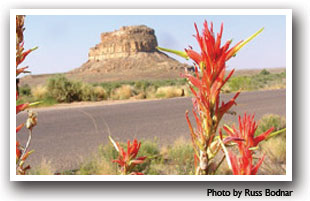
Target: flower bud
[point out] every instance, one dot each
(32, 120)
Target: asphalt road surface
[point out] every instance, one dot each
(67, 136)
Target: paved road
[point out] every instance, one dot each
(67, 135)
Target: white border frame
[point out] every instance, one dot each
(286, 12)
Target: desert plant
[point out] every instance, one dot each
(123, 92)
(240, 83)
(39, 92)
(206, 85)
(64, 90)
(44, 168)
(181, 155)
(244, 165)
(22, 153)
(169, 92)
(24, 90)
(264, 72)
(97, 166)
(270, 120)
(100, 93)
(127, 159)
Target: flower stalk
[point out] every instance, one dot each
(22, 153)
(206, 84)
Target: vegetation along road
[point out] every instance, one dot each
(66, 136)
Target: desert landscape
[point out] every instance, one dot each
(129, 89)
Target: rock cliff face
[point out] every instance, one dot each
(132, 48)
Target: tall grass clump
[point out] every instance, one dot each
(39, 92)
(44, 168)
(181, 157)
(122, 93)
(169, 92)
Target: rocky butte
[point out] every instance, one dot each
(129, 49)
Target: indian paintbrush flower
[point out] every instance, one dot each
(22, 153)
(206, 84)
(127, 159)
(243, 165)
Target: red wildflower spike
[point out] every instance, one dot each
(127, 160)
(206, 85)
(247, 128)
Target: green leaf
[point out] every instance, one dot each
(248, 40)
(177, 52)
(276, 133)
(114, 143)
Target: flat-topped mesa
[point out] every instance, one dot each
(123, 43)
(131, 50)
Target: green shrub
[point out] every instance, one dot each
(240, 83)
(264, 72)
(24, 90)
(64, 90)
(90, 93)
(142, 85)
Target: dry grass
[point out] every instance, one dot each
(140, 95)
(169, 92)
(150, 92)
(124, 92)
(100, 93)
(45, 168)
(275, 155)
(39, 92)
(97, 166)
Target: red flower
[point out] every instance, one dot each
(127, 159)
(206, 84)
(247, 128)
(244, 164)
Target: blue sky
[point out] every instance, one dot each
(64, 41)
